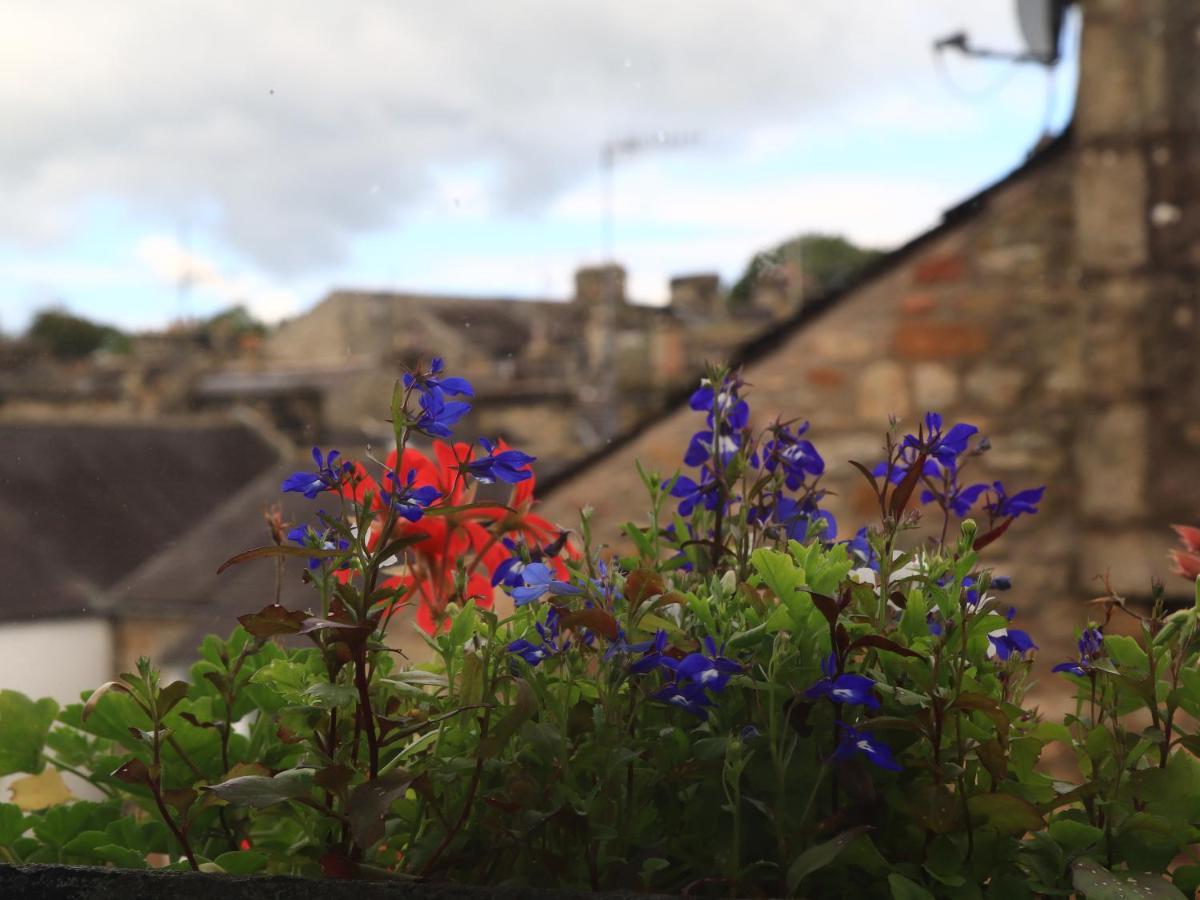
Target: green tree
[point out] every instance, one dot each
(826, 261)
(66, 336)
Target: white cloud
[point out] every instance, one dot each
(306, 124)
(172, 264)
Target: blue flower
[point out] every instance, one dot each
(452, 385)
(655, 657)
(734, 411)
(1091, 647)
(327, 477)
(690, 697)
(934, 624)
(438, 413)
(1002, 582)
(849, 688)
(307, 536)
(948, 492)
(408, 501)
(707, 493)
(508, 465)
(621, 646)
(945, 448)
(536, 653)
(536, 580)
(712, 670)
(859, 743)
(860, 548)
(797, 457)
(700, 448)
(798, 516)
(1008, 642)
(1018, 504)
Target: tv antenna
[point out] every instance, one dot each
(1041, 24)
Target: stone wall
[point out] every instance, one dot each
(1057, 312)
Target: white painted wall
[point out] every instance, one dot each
(56, 658)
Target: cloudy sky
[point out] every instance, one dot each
(270, 151)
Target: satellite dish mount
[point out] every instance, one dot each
(1041, 26)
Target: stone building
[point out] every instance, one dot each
(1056, 309)
(536, 364)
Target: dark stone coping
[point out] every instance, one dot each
(42, 882)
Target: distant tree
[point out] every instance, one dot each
(235, 320)
(66, 336)
(825, 262)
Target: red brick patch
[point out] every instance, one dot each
(938, 340)
(826, 377)
(917, 304)
(940, 269)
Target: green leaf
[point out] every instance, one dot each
(906, 889)
(1073, 835)
(1126, 652)
(24, 724)
(242, 862)
(519, 713)
(13, 823)
(368, 804)
(1097, 883)
(779, 573)
(819, 856)
(1007, 813)
(259, 791)
(324, 695)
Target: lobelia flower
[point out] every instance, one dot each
(1091, 647)
(307, 536)
(735, 411)
(1004, 643)
(621, 646)
(700, 448)
(707, 493)
(945, 448)
(536, 653)
(796, 457)
(655, 655)
(536, 580)
(798, 516)
(859, 547)
(690, 697)
(858, 743)
(328, 477)
(432, 381)
(409, 501)
(950, 493)
(711, 671)
(438, 413)
(848, 688)
(941, 449)
(510, 466)
(1018, 504)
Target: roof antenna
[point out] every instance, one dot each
(1041, 26)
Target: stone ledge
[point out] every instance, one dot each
(41, 882)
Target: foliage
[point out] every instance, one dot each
(740, 706)
(827, 262)
(72, 337)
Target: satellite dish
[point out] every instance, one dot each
(1041, 24)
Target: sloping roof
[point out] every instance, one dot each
(777, 333)
(181, 582)
(81, 505)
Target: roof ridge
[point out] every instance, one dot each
(776, 333)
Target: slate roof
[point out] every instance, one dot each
(181, 582)
(81, 505)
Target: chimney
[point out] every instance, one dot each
(592, 284)
(697, 296)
